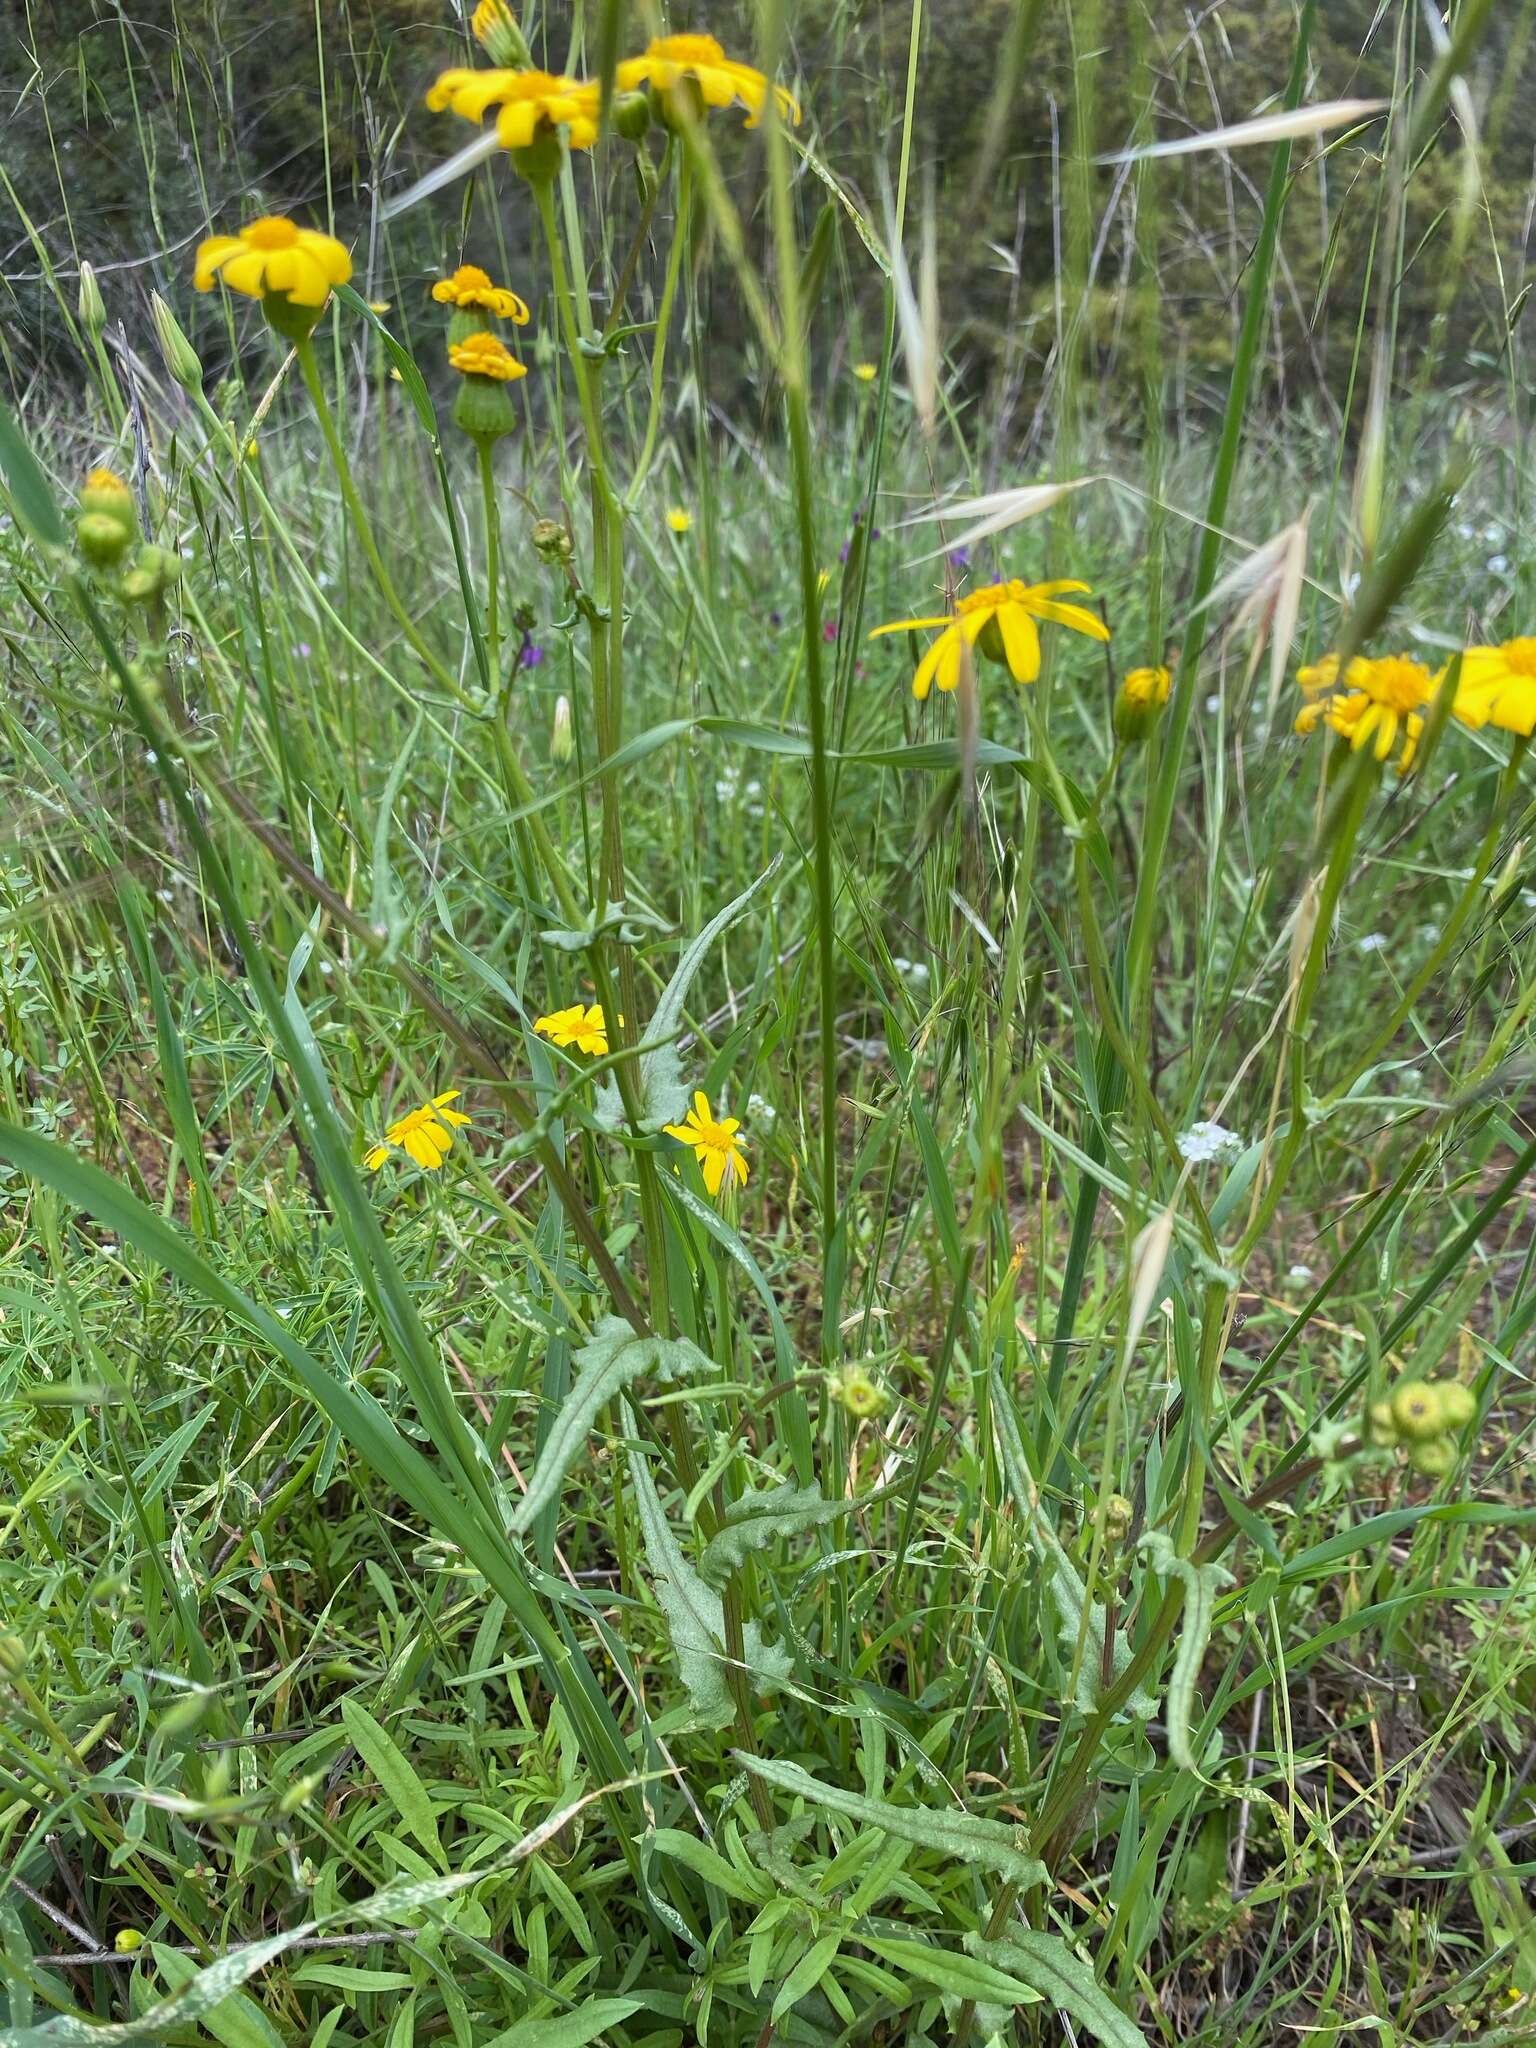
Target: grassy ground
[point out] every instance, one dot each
(946, 1588)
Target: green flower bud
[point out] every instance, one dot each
(1139, 703)
(1115, 1512)
(562, 740)
(154, 571)
(92, 307)
(1417, 1411)
(551, 542)
(128, 1940)
(631, 115)
(13, 1656)
(857, 1391)
(102, 539)
(1433, 1459)
(176, 352)
(1383, 1426)
(1458, 1404)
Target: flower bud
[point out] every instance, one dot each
(1458, 1404)
(154, 571)
(1115, 1513)
(13, 1656)
(631, 115)
(102, 539)
(551, 542)
(176, 352)
(91, 305)
(1142, 694)
(1417, 1411)
(300, 1792)
(858, 1392)
(562, 740)
(494, 27)
(128, 1940)
(1383, 1427)
(1433, 1459)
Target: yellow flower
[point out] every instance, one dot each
(271, 258)
(866, 372)
(669, 60)
(715, 1144)
(1498, 686)
(1001, 620)
(533, 104)
(678, 519)
(586, 1029)
(1381, 699)
(482, 355)
(424, 1134)
(108, 490)
(471, 290)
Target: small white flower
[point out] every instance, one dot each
(1466, 529)
(761, 1112)
(1213, 704)
(1493, 533)
(1373, 942)
(910, 970)
(1497, 564)
(1205, 1141)
(1299, 1275)
(151, 756)
(1351, 583)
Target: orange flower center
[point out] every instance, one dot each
(687, 49)
(274, 232)
(1520, 656)
(986, 600)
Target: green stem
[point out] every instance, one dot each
(309, 368)
(484, 450)
(663, 323)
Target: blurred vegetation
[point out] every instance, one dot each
(129, 137)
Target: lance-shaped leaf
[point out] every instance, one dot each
(606, 1364)
(1201, 1583)
(1045, 1962)
(696, 1615)
(758, 1519)
(986, 1844)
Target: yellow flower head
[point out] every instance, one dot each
(108, 488)
(866, 372)
(1498, 686)
(482, 355)
(424, 1134)
(1001, 621)
(471, 290)
(678, 519)
(1146, 685)
(1380, 700)
(585, 1029)
(715, 1143)
(272, 259)
(494, 26)
(670, 60)
(533, 104)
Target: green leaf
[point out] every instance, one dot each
(985, 1844)
(238, 2022)
(569, 2029)
(396, 1778)
(605, 1365)
(806, 1974)
(757, 1519)
(961, 1976)
(1201, 1583)
(663, 1093)
(695, 1614)
(709, 1864)
(1047, 1963)
(30, 491)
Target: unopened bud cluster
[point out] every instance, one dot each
(107, 535)
(1422, 1417)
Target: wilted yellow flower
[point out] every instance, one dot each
(715, 1142)
(471, 290)
(1000, 620)
(272, 258)
(1381, 699)
(1146, 685)
(533, 104)
(1498, 686)
(482, 355)
(866, 372)
(668, 61)
(584, 1028)
(678, 519)
(424, 1134)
